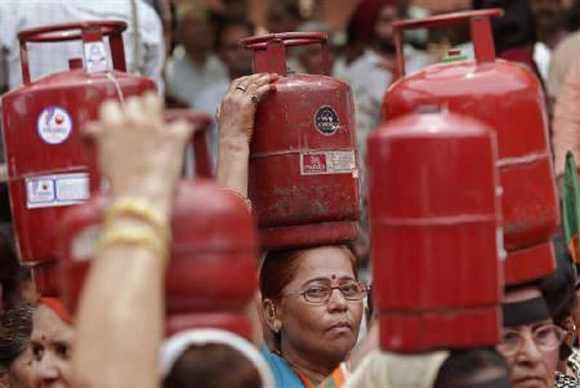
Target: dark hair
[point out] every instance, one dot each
(15, 331)
(361, 26)
(12, 273)
(558, 288)
(460, 369)
(279, 268)
(213, 366)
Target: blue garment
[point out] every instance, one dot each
(284, 376)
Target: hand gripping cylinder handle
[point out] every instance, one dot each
(89, 31)
(481, 33)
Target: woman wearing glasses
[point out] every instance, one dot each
(313, 305)
(559, 290)
(531, 341)
(311, 298)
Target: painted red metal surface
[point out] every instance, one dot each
(508, 98)
(46, 277)
(303, 179)
(435, 232)
(42, 123)
(212, 275)
(198, 147)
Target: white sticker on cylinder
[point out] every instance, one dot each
(95, 57)
(54, 125)
(327, 162)
(57, 190)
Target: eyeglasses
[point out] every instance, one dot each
(321, 293)
(546, 338)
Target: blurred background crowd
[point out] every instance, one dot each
(191, 48)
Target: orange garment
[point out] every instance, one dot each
(336, 380)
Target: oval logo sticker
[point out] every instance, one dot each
(54, 125)
(326, 120)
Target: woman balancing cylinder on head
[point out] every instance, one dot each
(287, 143)
(436, 248)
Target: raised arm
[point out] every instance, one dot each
(236, 126)
(120, 320)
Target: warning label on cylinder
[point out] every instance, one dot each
(56, 190)
(54, 125)
(327, 162)
(326, 120)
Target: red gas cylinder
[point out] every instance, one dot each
(46, 277)
(49, 167)
(508, 98)
(46, 273)
(436, 239)
(303, 179)
(212, 275)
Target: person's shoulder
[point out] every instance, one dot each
(365, 60)
(283, 374)
(216, 65)
(367, 71)
(217, 88)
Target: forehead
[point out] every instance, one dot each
(48, 327)
(324, 263)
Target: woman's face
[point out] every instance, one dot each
(51, 345)
(320, 332)
(532, 367)
(525, 347)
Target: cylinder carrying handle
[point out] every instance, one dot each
(481, 32)
(88, 32)
(270, 50)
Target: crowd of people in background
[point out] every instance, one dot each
(191, 48)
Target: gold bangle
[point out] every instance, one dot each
(134, 235)
(142, 209)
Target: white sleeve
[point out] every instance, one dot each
(152, 44)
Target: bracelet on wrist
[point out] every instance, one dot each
(143, 210)
(154, 233)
